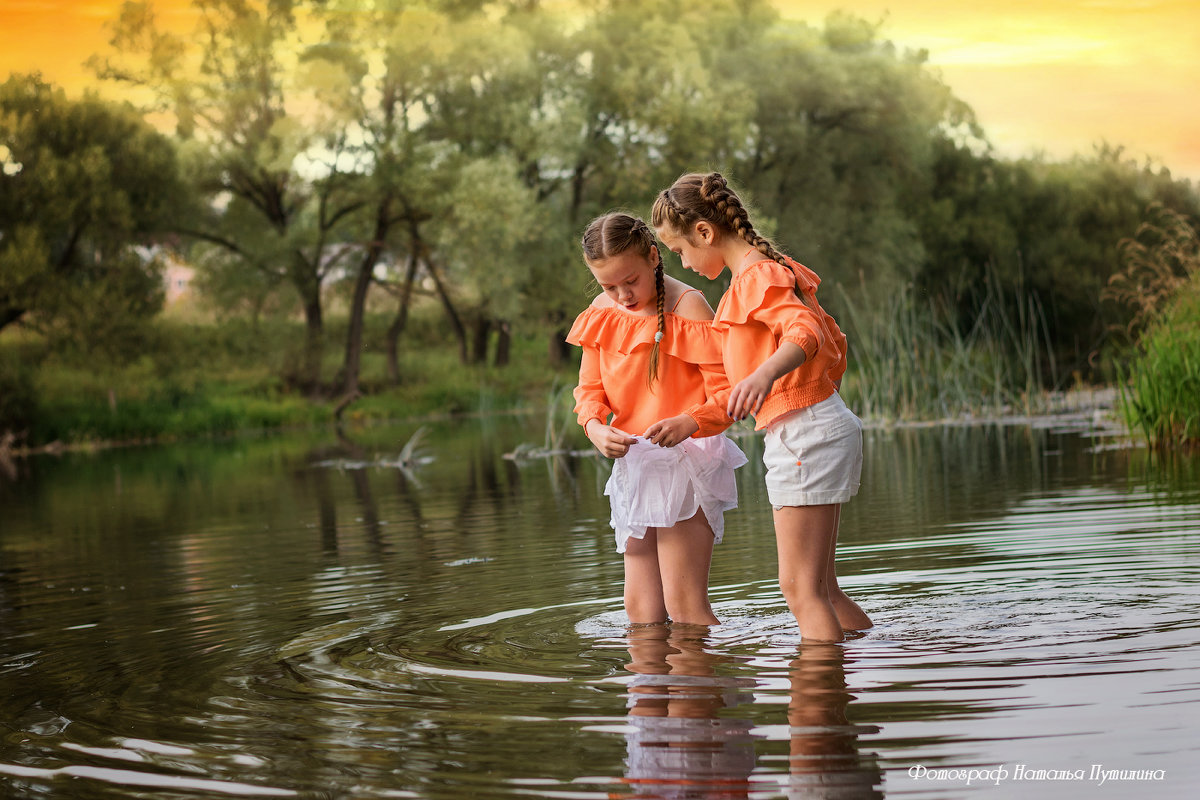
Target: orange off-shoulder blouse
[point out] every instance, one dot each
(616, 359)
(759, 311)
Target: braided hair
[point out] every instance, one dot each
(695, 197)
(615, 233)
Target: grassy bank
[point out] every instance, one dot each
(200, 379)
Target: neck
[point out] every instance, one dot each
(738, 255)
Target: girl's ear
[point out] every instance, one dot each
(706, 232)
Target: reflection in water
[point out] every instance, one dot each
(680, 746)
(825, 761)
(300, 616)
(686, 742)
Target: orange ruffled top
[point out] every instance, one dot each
(758, 312)
(616, 362)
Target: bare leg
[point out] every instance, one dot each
(643, 585)
(684, 557)
(804, 538)
(850, 616)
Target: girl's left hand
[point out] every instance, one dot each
(747, 397)
(671, 431)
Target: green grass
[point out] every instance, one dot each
(1160, 393)
(910, 361)
(198, 379)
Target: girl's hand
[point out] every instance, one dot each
(671, 431)
(748, 396)
(612, 442)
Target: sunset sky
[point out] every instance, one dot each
(1052, 77)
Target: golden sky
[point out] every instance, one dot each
(1042, 76)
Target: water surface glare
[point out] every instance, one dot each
(309, 617)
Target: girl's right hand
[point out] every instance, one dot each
(612, 442)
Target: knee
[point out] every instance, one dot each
(803, 593)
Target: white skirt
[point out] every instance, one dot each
(656, 487)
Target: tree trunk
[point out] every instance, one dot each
(352, 361)
(456, 323)
(400, 321)
(503, 345)
(9, 316)
(310, 377)
(483, 330)
(559, 351)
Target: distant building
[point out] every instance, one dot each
(177, 278)
(177, 275)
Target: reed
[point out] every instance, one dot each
(911, 359)
(1160, 389)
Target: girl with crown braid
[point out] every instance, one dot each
(652, 365)
(785, 357)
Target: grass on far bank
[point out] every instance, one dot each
(197, 378)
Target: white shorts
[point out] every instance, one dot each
(656, 487)
(814, 455)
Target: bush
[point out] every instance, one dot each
(18, 398)
(1160, 396)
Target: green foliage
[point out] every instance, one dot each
(18, 395)
(1047, 231)
(454, 151)
(1160, 389)
(1156, 263)
(81, 181)
(212, 379)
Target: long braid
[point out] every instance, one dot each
(660, 292)
(714, 189)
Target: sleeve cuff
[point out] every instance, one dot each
(807, 342)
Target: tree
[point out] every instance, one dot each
(842, 138)
(1033, 232)
(81, 181)
(281, 194)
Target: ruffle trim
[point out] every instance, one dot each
(749, 289)
(612, 330)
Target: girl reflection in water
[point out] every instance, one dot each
(680, 746)
(825, 761)
(651, 365)
(683, 744)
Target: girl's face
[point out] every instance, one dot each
(697, 251)
(628, 280)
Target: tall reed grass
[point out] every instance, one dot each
(910, 359)
(1160, 388)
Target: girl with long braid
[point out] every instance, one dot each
(785, 357)
(651, 364)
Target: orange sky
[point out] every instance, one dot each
(1054, 77)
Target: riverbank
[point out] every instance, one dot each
(1094, 407)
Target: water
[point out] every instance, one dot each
(304, 617)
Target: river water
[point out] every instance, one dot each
(305, 616)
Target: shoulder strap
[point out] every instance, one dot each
(679, 299)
